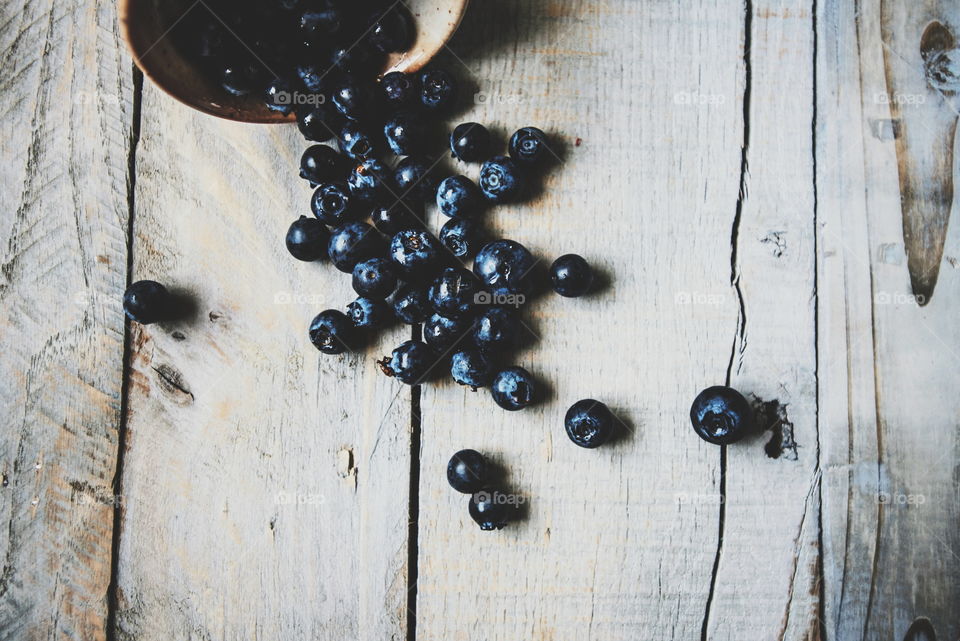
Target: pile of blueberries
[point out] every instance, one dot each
(317, 60)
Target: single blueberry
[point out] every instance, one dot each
(721, 415)
(498, 329)
(468, 471)
(513, 388)
(405, 133)
(415, 178)
(502, 180)
(438, 90)
(320, 164)
(356, 142)
(589, 423)
(369, 180)
(442, 333)
(312, 76)
(360, 58)
(471, 367)
(332, 204)
(415, 251)
(374, 278)
(331, 332)
(505, 267)
(307, 239)
(393, 31)
(452, 293)
(458, 196)
(410, 363)
(403, 213)
(461, 237)
(351, 243)
(320, 23)
(147, 301)
(470, 142)
(352, 98)
(318, 121)
(571, 276)
(529, 146)
(411, 304)
(278, 96)
(242, 78)
(490, 509)
(400, 90)
(367, 313)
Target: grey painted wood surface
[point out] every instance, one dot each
(744, 175)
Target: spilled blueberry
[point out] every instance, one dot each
(721, 415)
(147, 301)
(589, 423)
(468, 471)
(513, 388)
(307, 239)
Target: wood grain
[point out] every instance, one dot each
(709, 250)
(265, 484)
(888, 366)
(65, 132)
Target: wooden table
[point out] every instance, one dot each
(744, 175)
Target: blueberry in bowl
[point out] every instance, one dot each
(721, 415)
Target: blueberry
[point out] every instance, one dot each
(332, 203)
(529, 146)
(415, 251)
(505, 267)
(460, 197)
(498, 329)
(438, 90)
(442, 333)
(369, 180)
(721, 415)
(502, 180)
(402, 214)
(331, 332)
(147, 301)
(279, 96)
(311, 77)
(368, 313)
(318, 122)
(571, 276)
(513, 388)
(468, 471)
(471, 367)
(411, 304)
(410, 363)
(320, 164)
(461, 237)
(352, 98)
(405, 133)
(415, 178)
(489, 509)
(470, 142)
(307, 239)
(351, 243)
(400, 90)
(589, 423)
(356, 142)
(374, 278)
(242, 78)
(452, 292)
(359, 58)
(393, 31)
(319, 24)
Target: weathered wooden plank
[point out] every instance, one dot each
(265, 485)
(888, 365)
(66, 104)
(620, 543)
